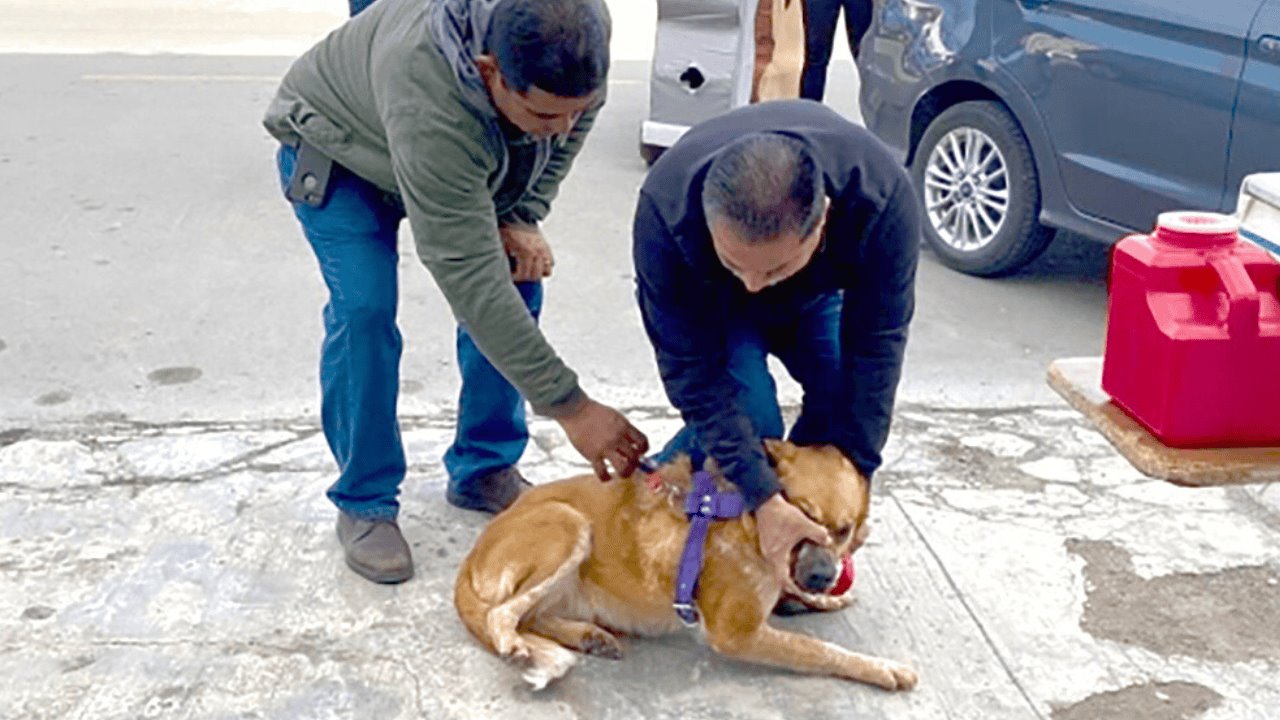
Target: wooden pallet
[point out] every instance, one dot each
(1079, 382)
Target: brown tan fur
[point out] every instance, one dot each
(574, 563)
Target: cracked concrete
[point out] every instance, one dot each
(190, 570)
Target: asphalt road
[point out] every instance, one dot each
(152, 271)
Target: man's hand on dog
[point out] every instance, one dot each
(603, 434)
(781, 526)
(529, 250)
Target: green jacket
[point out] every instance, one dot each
(394, 96)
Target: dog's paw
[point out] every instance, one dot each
(514, 649)
(840, 602)
(892, 675)
(547, 663)
(811, 603)
(830, 603)
(602, 644)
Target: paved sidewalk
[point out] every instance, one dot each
(191, 570)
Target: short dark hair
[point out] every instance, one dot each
(767, 184)
(558, 46)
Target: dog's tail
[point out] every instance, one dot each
(473, 609)
(496, 590)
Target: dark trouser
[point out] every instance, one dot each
(820, 18)
(807, 341)
(358, 5)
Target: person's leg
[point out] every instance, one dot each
(358, 5)
(809, 348)
(353, 236)
(857, 18)
(757, 392)
(492, 432)
(820, 18)
(758, 395)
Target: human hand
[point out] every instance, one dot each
(781, 526)
(532, 255)
(603, 434)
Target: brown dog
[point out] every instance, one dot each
(574, 557)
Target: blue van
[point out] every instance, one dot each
(1018, 117)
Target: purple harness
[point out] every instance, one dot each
(703, 505)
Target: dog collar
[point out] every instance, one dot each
(703, 504)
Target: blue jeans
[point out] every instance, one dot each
(357, 5)
(807, 341)
(353, 235)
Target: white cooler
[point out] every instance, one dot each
(1259, 210)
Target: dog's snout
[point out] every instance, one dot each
(816, 568)
(819, 580)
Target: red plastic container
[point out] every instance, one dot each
(1193, 334)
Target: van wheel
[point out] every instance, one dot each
(979, 191)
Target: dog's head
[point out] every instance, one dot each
(822, 482)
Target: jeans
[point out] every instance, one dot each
(820, 18)
(353, 235)
(357, 5)
(807, 341)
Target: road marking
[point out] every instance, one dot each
(128, 78)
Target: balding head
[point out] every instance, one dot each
(767, 186)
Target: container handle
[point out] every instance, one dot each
(1242, 295)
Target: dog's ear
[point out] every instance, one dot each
(779, 450)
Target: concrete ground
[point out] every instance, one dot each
(190, 570)
(166, 550)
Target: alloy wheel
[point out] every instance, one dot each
(966, 189)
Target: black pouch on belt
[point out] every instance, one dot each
(310, 181)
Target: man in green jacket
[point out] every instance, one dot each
(463, 116)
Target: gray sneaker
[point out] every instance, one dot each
(375, 549)
(492, 493)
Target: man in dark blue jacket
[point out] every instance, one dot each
(777, 229)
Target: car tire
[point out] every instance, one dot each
(981, 203)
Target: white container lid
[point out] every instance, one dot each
(1198, 223)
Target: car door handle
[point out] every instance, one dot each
(1269, 44)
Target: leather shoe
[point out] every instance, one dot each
(492, 493)
(375, 549)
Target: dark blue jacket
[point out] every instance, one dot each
(686, 295)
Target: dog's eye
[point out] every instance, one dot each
(843, 532)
